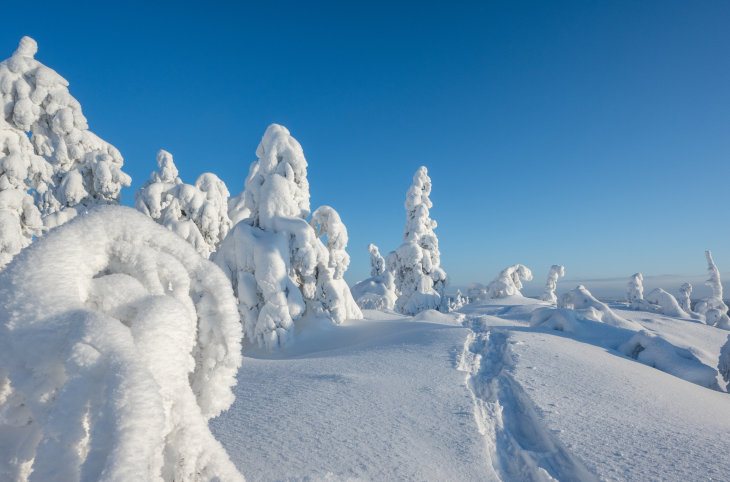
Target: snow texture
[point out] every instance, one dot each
(556, 272)
(118, 343)
(279, 268)
(509, 281)
(713, 308)
(86, 170)
(416, 264)
(197, 213)
(378, 291)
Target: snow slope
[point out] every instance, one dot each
(481, 396)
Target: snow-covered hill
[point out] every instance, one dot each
(479, 395)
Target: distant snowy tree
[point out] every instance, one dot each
(556, 272)
(713, 307)
(22, 173)
(509, 281)
(635, 288)
(685, 297)
(332, 290)
(118, 343)
(582, 300)
(198, 213)
(723, 365)
(378, 291)
(458, 302)
(279, 267)
(665, 303)
(36, 101)
(419, 279)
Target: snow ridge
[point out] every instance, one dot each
(518, 446)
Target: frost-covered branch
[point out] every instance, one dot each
(118, 343)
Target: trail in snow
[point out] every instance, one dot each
(519, 447)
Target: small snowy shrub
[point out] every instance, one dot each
(198, 213)
(279, 268)
(509, 281)
(36, 101)
(713, 308)
(378, 291)
(419, 279)
(556, 272)
(118, 343)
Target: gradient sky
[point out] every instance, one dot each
(591, 134)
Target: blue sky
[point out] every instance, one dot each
(591, 134)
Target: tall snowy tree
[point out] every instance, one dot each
(556, 272)
(198, 213)
(86, 169)
(509, 281)
(279, 267)
(419, 279)
(713, 307)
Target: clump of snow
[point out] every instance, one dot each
(118, 343)
(378, 291)
(588, 307)
(36, 102)
(685, 297)
(713, 308)
(635, 288)
(556, 272)
(279, 268)
(198, 213)
(416, 264)
(666, 303)
(509, 281)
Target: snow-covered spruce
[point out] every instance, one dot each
(416, 264)
(556, 272)
(635, 288)
(21, 172)
(713, 308)
(509, 281)
(685, 297)
(278, 266)
(723, 366)
(118, 343)
(198, 213)
(458, 302)
(378, 291)
(36, 101)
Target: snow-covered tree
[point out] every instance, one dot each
(582, 300)
(332, 290)
(723, 365)
(713, 308)
(198, 213)
(22, 172)
(556, 272)
(685, 297)
(36, 101)
(635, 288)
(458, 302)
(509, 281)
(665, 303)
(378, 291)
(419, 279)
(277, 264)
(118, 343)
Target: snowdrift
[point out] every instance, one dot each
(118, 343)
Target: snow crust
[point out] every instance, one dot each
(118, 343)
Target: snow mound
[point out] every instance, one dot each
(588, 307)
(118, 343)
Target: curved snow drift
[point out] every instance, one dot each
(117, 343)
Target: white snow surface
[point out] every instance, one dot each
(118, 343)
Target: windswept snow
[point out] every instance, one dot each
(118, 343)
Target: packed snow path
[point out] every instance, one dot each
(478, 396)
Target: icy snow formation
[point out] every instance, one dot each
(378, 291)
(279, 268)
(198, 213)
(635, 288)
(86, 169)
(556, 272)
(582, 301)
(713, 308)
(666, 303)
(419, 279)
(509, 281)
(118, 343)
(685, 297)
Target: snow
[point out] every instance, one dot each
(713, 308)
(378, 291)
(118, 343)
(556, 272)
(509, 281)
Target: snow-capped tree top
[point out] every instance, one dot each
(214, 188)
(277, 183)
(166, 169)
(27, 47)
(635, 287)
(377, 262)
(326, 222)
(419, 223)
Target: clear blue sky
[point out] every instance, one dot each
(592, 134)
